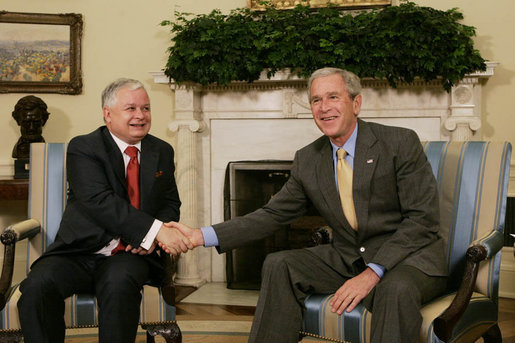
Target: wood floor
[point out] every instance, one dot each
(507, 319)
(193, 313)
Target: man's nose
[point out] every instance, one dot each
(139, 113)
(324, 105)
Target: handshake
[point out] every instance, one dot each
(175, 238)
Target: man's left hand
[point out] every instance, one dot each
(140, 250)
(353, 291)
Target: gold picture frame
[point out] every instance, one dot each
(288, 4)
(40, 53)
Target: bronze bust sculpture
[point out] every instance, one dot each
(30, 112)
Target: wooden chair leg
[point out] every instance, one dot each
(493, 335)
(150, 338)
(169, 331)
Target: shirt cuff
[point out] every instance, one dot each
(148, 240)
(378, 269)
(210, 238)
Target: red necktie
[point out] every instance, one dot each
(132, 185)
(133, 175)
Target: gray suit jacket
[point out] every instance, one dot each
(395, 197)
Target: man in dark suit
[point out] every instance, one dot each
(386, 249)
(109, 230)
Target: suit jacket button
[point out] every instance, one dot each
(362, 249)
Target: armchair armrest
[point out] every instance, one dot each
(492, 243)
(11, 235)
(481, 249)
(19, 231)
(322, 235)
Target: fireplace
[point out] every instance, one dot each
(248, 186)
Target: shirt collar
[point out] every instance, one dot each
(122, 145)
(349, 146)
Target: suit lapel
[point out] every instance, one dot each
(115, 157)
(366, 158)
(149, 160)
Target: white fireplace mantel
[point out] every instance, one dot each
(271, 119)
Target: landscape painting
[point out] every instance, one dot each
(34, 52)
(40, 53)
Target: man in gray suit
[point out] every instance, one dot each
(387, 252)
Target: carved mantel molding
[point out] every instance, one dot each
(462, 121)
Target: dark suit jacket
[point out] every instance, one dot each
(395, 197)
(98, 207)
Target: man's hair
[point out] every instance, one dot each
(352, 82)
(109, 94)
(28, 103)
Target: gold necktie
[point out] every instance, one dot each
(344, 175)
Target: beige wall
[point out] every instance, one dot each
(123, 38)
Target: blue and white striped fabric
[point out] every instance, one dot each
(472, 181)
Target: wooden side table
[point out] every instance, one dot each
(14, 189)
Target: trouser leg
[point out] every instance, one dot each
(120, 279)
(41, 305)
(287, 278)
(396, 301)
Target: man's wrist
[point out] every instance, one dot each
(151, 235)
(378, 269)
(209, 237)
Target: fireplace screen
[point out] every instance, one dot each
(248, 186)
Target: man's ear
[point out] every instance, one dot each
(356, 104)
(107, 114)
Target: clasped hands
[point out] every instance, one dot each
(175, 238)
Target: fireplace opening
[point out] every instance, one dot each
(248, 186)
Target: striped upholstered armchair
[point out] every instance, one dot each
(472, 180)
(47, 199)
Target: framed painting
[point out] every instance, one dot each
(286, 4)
(40, 53)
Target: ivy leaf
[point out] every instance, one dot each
(397, 43)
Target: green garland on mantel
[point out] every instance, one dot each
(397, 44)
